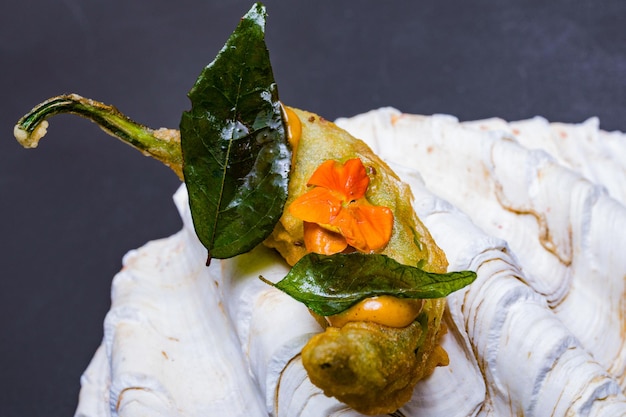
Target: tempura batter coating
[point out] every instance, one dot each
(370, 367)
(322, 140)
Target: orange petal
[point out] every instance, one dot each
(367, 228)
(350, 178)
(317, 205)
(320, 240)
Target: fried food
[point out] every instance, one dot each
(371, 367)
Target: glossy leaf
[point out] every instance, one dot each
(235, 151)
(331, 284)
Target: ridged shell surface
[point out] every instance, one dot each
(535, 208)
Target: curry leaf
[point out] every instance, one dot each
(331, 284)
(235, 151)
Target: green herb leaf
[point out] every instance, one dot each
(235, 150)
(331, 284)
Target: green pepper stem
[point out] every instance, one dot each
(162, 144)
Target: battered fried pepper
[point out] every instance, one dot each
(371, 367)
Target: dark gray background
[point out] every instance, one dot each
(72, 208)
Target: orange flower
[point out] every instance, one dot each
(336, 213)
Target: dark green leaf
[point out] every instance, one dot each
(235, 151)
(331, 284)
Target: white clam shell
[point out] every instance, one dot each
(562, 226)
(541, 331)
(170, 348)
